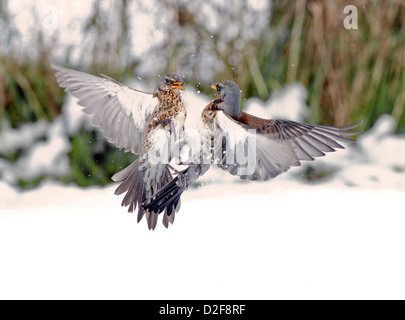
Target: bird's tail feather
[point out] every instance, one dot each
(137, 191)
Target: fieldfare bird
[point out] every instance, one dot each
(142, 123)
(250, 147)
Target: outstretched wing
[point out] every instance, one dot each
(252, 148)
(260, 149)
(120, 112)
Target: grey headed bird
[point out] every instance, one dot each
(138, 122)
(250, 147)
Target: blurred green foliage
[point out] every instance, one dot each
(351, 75)
(28, 91)
(93, 160)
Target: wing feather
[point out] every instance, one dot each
(120, 112)
(278, 144)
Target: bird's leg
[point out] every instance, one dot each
(181, 178)
(168, 165)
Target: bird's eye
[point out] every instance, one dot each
(219, 89)
(167, 81)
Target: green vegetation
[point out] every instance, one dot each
(351, 75)
(94, 161)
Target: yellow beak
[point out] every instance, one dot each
(177, 85)
(213, 86)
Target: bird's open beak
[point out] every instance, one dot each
(213, 86)
(177, 85)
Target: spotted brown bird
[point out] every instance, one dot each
(250, 147)
(142, 123)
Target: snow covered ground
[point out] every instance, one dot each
(274, 240)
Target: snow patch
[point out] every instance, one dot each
(21, 138)
(49, 157)
(289, 103)
(380, 145)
